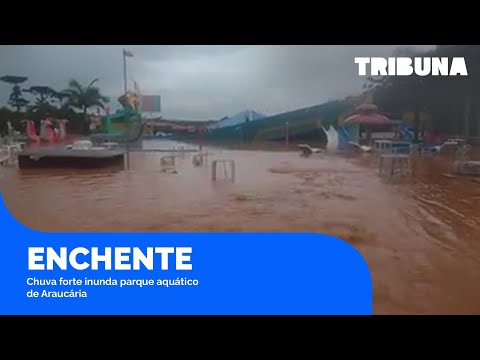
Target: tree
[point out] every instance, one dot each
(402, 93)
(42, 105)
(84, 97)
(61, 97)
(452, 101)
(43, 95)
(16, 99)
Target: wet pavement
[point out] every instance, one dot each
(420, 236)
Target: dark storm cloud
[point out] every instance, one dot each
(200, 82)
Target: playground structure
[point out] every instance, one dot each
(95, 154)
(119, 121)
(82, 153)
(346, 135)
(344, 132)
(332, 138)
(342, 125)
(118, 126)
(292, 124)
(85, 153)
(338, 138)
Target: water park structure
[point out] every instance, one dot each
(339, 125)
(118, 126)
(119, 121)
(336, 124)
(120, 133)
(48, 132)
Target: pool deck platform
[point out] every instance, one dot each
(60, 157)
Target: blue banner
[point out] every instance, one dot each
(179, 273)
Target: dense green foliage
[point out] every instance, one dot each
(451, 101)
(72, 103)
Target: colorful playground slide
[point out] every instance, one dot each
(62, 129)
(344, 138)
(407, 132)
(332, 138)
(340, 139)
(32, 132)
(48, 132)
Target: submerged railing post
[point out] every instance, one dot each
(224, 162)
(168, 161)
(241, 136)
(128, 156)
(287, 135)
(199, 159)
(395, 163)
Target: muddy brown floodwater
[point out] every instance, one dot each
(419, 236)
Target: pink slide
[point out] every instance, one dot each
(62, 129)
(51, 134)
(32, 132)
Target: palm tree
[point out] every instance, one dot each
(61, 98)
(84, 97)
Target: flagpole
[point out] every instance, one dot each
(125, 88)
(124, 71)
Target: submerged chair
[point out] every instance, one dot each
(307, 150)
(357, 146)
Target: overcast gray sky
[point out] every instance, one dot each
(200, 81)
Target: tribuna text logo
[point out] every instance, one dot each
(405, 66)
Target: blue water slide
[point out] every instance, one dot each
(344, 138)
(406, 130)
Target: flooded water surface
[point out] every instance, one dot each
(420, 236)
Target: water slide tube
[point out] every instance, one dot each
(407, 133)
(344, 137)
(62, 129)
(347, 142)
(31, 131)
(51, 135)
(43, 131)
(332, 138)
